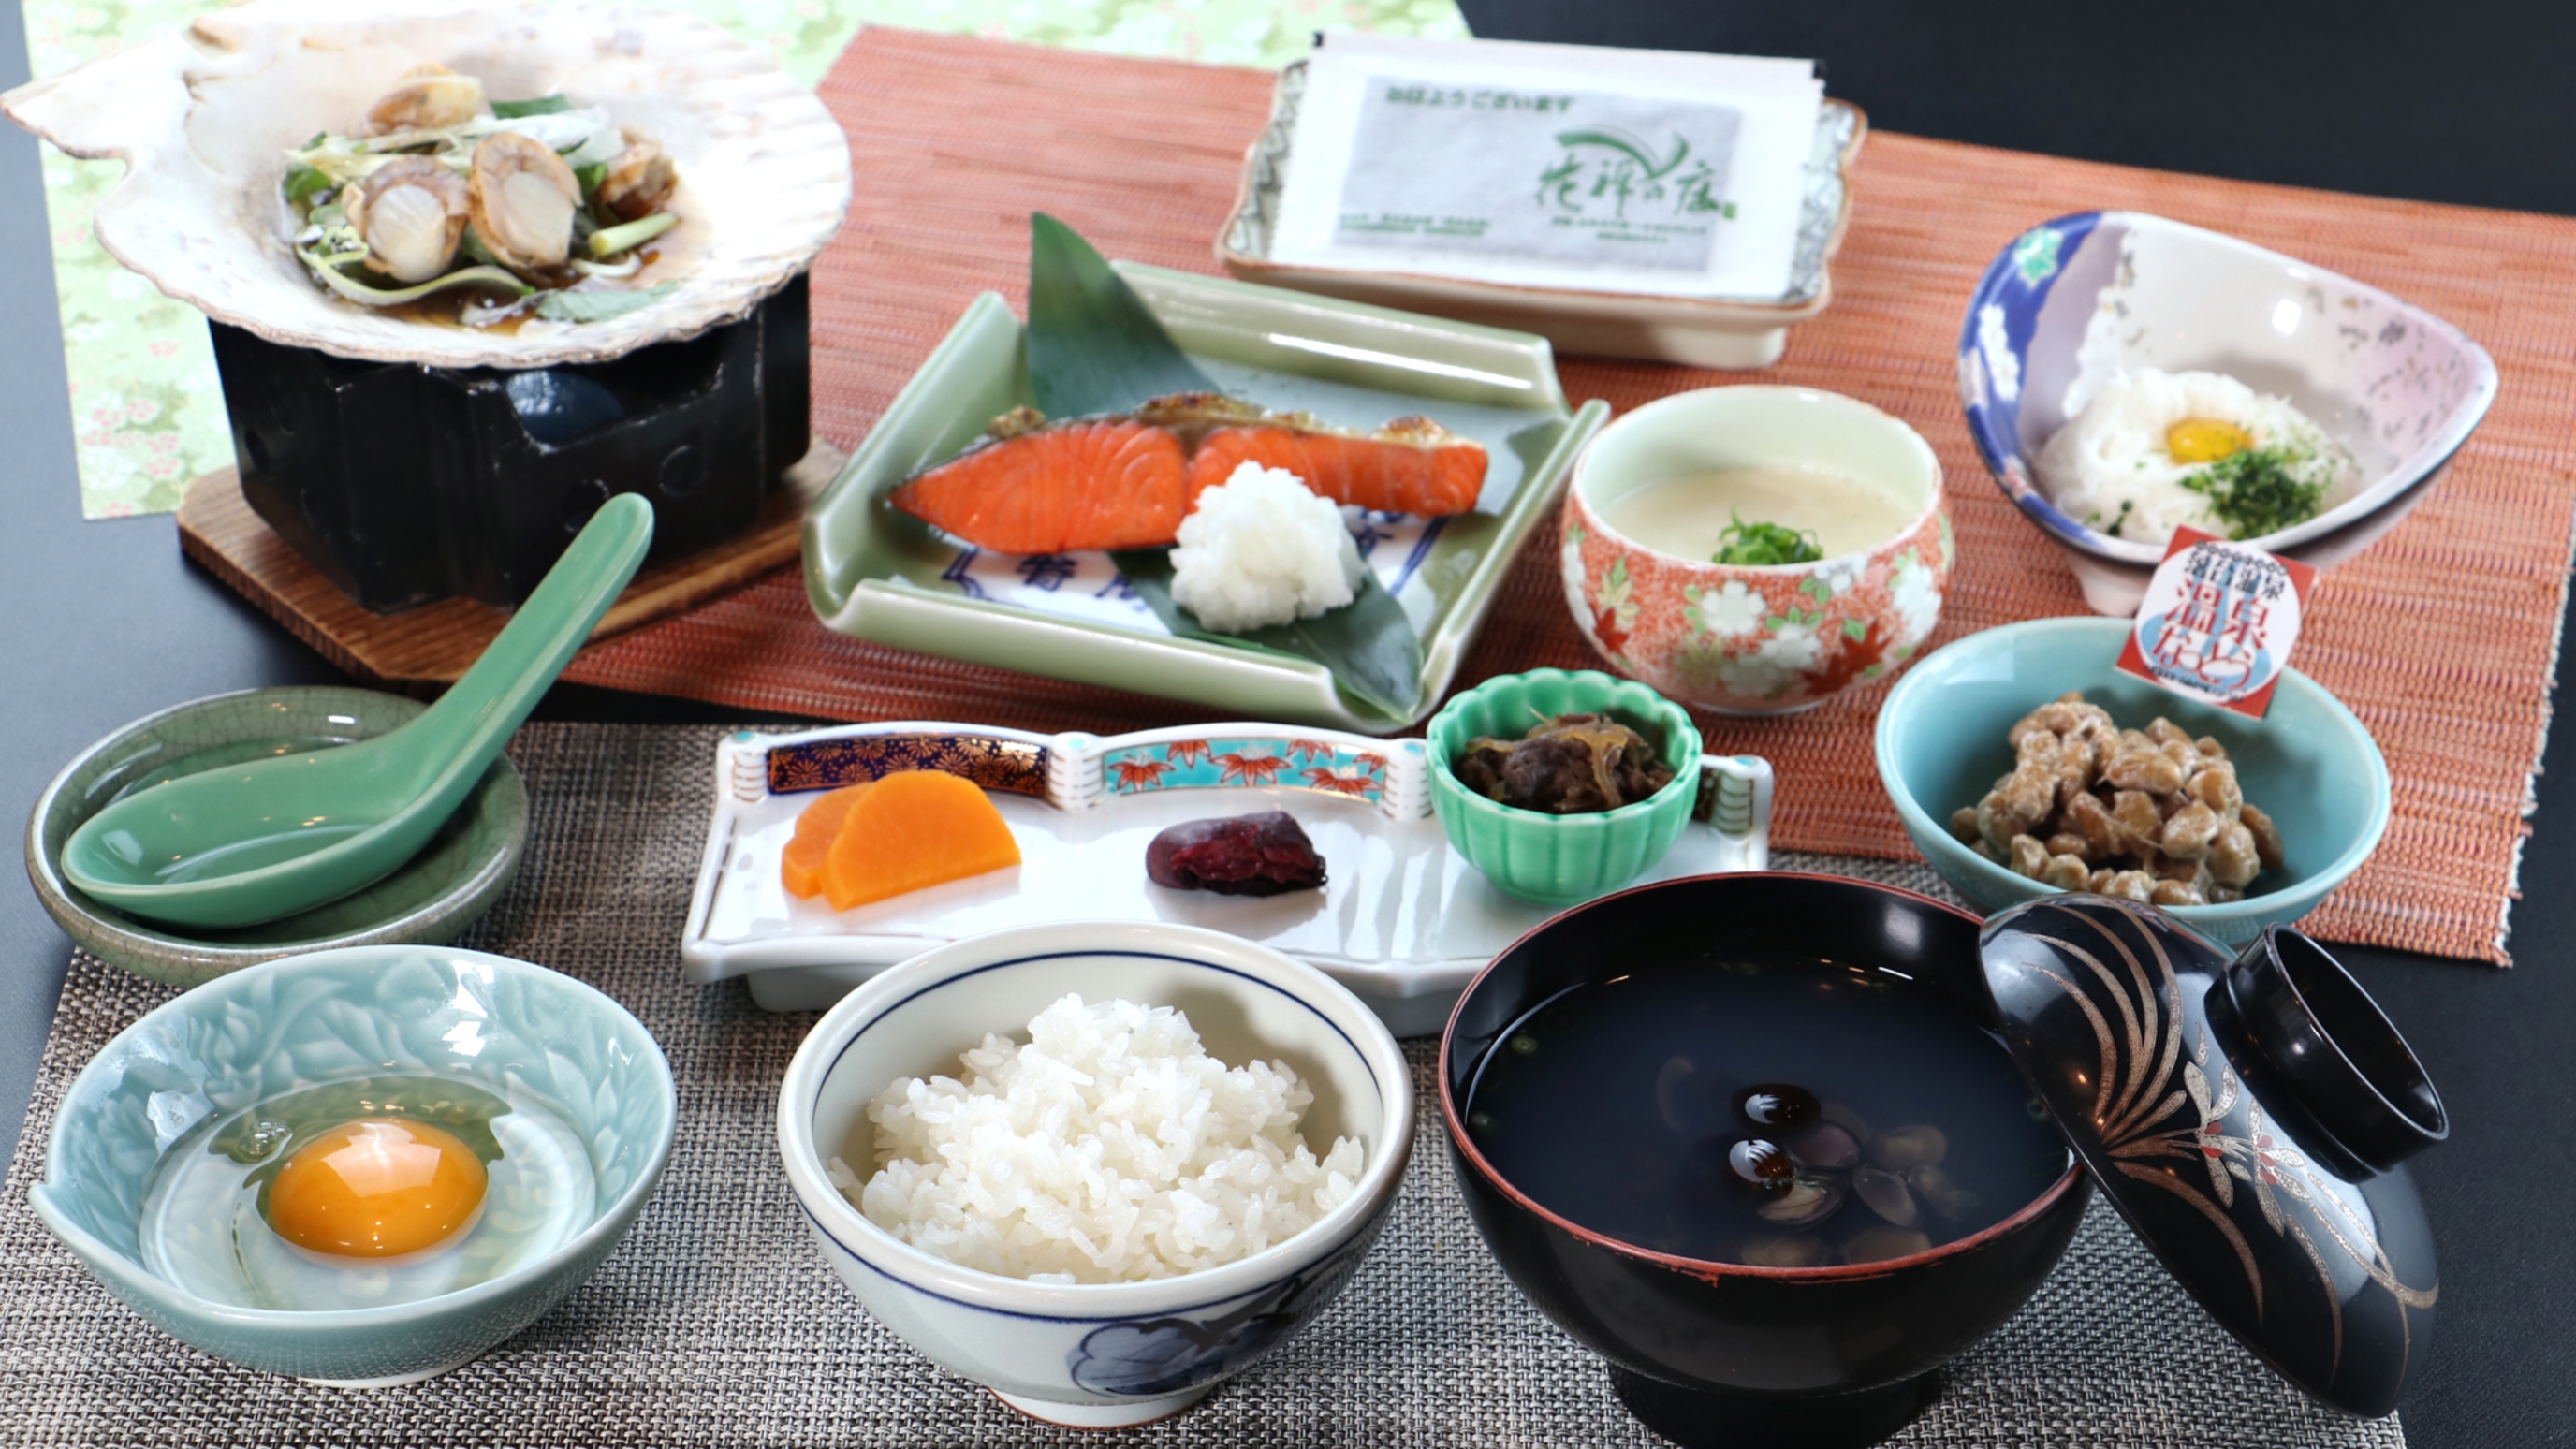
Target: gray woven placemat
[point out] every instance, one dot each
(717, 1323)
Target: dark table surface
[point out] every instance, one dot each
(2466, 101)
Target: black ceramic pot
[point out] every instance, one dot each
(1710, 1353)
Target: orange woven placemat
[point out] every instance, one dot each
(2443, 638)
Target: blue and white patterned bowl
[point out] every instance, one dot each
(1097, 1355)
(2076, 299)
(331, 1016)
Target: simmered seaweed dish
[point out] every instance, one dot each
(1781, 1113)
(1572, 764)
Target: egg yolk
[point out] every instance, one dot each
(376, 1188)
(2205, 440)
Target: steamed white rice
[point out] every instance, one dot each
(2109, 468)
(1109, 1149)
(1260, 549)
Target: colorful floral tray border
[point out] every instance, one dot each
(1077, 771)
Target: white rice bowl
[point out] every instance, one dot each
(1262, 549)
(1109, 1149)
(2112, 455)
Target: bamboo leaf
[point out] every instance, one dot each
(1368, 643)
(1093, 345)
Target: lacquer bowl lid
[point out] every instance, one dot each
(2247, 1115)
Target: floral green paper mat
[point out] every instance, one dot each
(147, 411)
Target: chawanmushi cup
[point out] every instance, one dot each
(1769, 639)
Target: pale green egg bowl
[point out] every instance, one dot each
(514, 1029)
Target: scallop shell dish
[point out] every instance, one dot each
(455, 184)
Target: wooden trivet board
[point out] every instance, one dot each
(431, 645)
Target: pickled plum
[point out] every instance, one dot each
(1265, 854)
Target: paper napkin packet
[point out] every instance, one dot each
(1561, 166)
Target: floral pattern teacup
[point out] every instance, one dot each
(1756, 640)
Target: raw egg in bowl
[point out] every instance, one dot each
(363, 1166)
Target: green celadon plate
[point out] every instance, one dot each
(432, 899)
(876, 573)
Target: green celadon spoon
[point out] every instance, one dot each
(256, 841)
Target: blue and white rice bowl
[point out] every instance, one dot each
(1097, 1355)
(2072, 301)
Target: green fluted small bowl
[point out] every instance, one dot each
(1561, 860)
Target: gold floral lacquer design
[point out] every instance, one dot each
(2141, 1088)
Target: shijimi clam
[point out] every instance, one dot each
(679, 118)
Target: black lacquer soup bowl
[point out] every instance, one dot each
(1624, 1225)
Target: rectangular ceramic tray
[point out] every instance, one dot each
(1701, 331)
(877, 573)
(1404, 922)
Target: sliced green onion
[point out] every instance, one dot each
(609, 241)
(365, 295)
(599, 306)
(472, 246)
(541, 106)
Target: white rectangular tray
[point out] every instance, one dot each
(1723, 332)
(1404, 922)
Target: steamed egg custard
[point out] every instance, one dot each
(1697, 514)
(364, 1193)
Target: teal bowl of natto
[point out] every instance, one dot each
(1561, 860)
(365, 1012)
(2308, 762)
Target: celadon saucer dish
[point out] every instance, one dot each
(1097, 1355)
(2309, 762)
(877, 573)
(170, 1085)
(437, 894)
(2076, 299)
(1404, 919)
(268, 838)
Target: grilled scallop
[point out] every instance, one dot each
(523, 199)
(411, 214)
(428, 97)
(639, 180)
